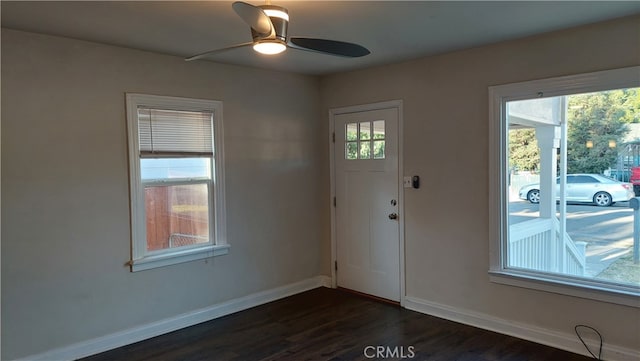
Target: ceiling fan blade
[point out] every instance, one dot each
(331, 47)
(211, 52)
(254, 17)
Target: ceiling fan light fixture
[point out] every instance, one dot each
(270, 47)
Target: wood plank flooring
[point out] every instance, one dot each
(328, 324)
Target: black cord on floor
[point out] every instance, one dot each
(585, 345)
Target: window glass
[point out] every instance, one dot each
(365, 140)
(378, 149)
(365, 130)
(574, 238)
(175, 168)
(352, 131)
(351, 150)
(586, 179)
(176, 216)
(378, 129)
(365, 150)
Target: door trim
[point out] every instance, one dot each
(333, 112)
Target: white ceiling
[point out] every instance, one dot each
(393, 31)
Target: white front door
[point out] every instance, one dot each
(367, 204)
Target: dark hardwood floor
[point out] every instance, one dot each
(328, 324)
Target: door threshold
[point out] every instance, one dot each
(371, 297)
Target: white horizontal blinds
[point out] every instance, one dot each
(165, 132)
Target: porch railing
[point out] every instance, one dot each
(535, 245)
(574, 262)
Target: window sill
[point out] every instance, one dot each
(623, 295)
(167, 259)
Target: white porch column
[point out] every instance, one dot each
(548, 141)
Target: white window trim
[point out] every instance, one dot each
(141, 259)
(498, 202)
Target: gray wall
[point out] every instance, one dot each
(446, 143)
(65, 206)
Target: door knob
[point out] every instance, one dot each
(393, 216)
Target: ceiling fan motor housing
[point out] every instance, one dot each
(280, 23)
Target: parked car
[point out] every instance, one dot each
(591, 188)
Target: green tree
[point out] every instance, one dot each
(628, 100)
(597, 126)
(524, 153)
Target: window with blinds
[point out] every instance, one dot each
(176, 179)
(175, 132)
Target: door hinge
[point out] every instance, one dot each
(335, 265)
(335, 202)
(333, 137)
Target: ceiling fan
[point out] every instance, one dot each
(269, 32)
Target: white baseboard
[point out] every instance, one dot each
(326, 281)
(122, 338)
(560, 340)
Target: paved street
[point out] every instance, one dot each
(608, 231)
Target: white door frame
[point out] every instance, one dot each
(394, 104)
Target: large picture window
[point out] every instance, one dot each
(564, 152)
(176, 177)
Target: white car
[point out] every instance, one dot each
(591, 188)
